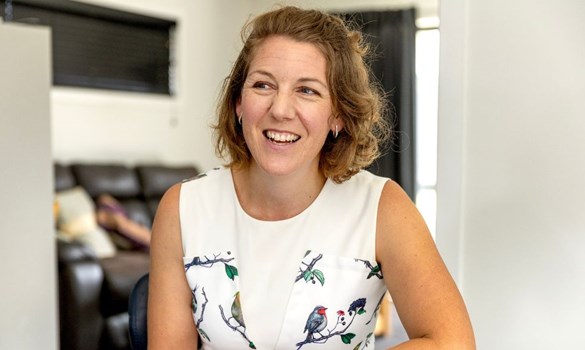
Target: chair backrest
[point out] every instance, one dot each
(137, 311)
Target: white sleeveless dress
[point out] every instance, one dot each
(308, 282)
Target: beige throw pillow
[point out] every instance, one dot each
(77, 220)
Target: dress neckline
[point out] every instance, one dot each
(303, 213)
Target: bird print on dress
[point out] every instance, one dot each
(237, 310)
(348, 327)
(236, 315)
(318, 330)
(316, 322)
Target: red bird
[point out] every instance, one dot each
(316, 322)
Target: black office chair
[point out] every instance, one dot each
(137, 307)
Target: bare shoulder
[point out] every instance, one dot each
(397, 212)
(169, 203)
(166, 232)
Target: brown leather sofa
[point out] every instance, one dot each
(93, 292)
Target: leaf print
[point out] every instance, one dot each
(203, 334)
(357, 347)
(231, 271)
(374, 272)
(252, 346)
(320, 276)
(361, 311)
(309, 274)
(346, 338)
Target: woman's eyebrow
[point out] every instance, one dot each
(300, 80)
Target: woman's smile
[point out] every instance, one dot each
(281, 137)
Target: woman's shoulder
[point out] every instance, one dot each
(363, 183)
(214, 174)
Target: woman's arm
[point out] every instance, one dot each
(170, 321)
(426, 297)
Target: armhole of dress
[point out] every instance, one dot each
(182, 197)
(379, 188)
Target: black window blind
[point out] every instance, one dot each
(98, 47)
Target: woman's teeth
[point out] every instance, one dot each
(281, 137)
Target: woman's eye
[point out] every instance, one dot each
(308, 91)
(261, 85)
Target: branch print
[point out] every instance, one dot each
(364, 342)
(195, 306)
(357, 307)
(377, 308)
(236, 328)
(230, 270)
(309, 274)
(374, 270)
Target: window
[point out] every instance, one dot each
(97, 47)
(427, 82)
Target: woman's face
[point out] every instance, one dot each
(286, 106)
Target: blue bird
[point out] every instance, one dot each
(316, 322)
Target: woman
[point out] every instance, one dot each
(292, 245)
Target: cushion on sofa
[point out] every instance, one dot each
(116, 180)
(120, 182)
(156, 180)
(77, 220)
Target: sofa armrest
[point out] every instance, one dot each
(80, 282)
(70, 251)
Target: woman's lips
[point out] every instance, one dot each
(281, 136)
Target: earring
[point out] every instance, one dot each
(240, 118)
(336, 132)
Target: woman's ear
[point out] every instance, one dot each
(337, 125)
(239, 107)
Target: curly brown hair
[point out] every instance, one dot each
(356, 98)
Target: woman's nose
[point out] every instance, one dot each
(282, 106)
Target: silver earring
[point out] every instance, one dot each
(240, 118)
(336, 132)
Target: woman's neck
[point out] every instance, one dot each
(271, 198)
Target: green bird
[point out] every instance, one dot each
(237, 310)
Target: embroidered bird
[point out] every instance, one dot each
(237, 310)
(316, 322)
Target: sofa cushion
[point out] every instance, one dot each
(156, 180)
(77, 220)
(116, 180)
(121, 272)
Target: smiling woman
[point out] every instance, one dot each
(286, 107)
(293, 244)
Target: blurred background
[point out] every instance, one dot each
(487, 99)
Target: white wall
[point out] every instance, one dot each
(511, 168)
(425, 8)
(28, 298)
(97, 125)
